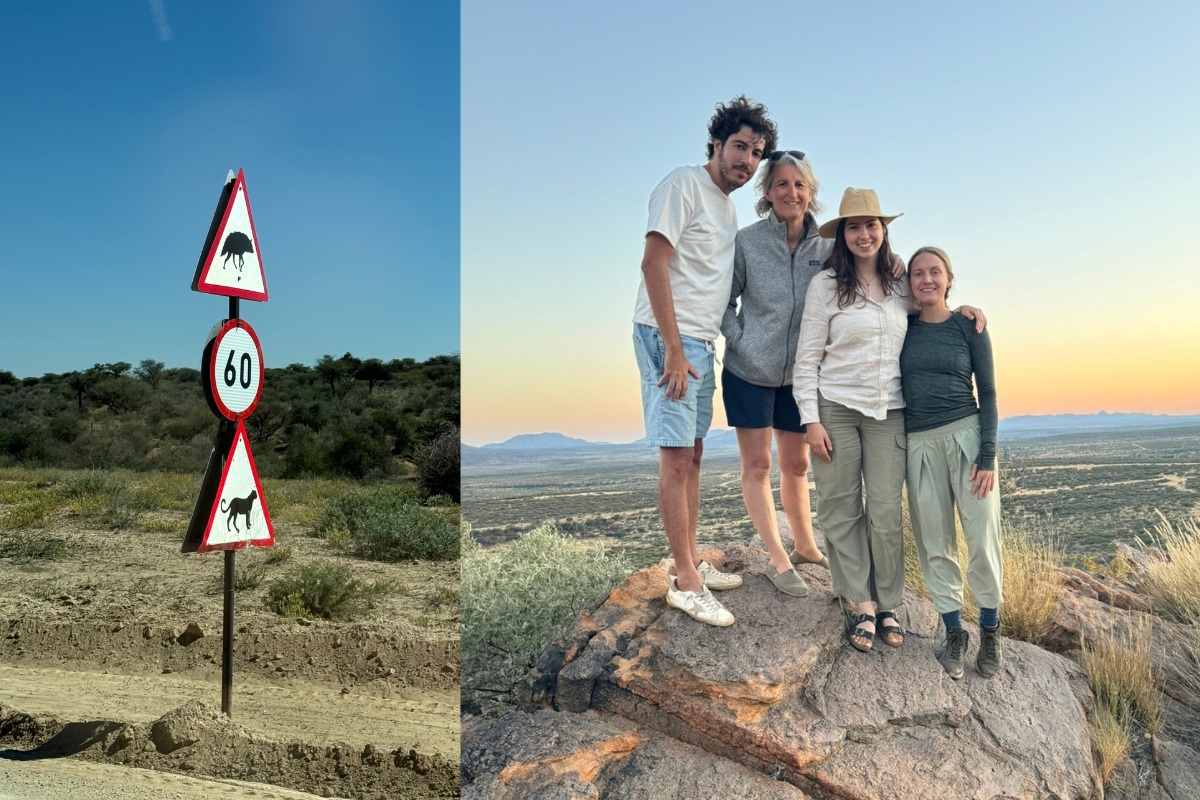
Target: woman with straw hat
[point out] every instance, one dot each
(847, 386)
(952, 460)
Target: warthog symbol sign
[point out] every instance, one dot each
(239, 505)
(237, 244)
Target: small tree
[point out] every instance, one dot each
(7, 378)
(438, 465)
(115, 369)
(121, 394)
(372, 371)
(82, 382)
(151, 372)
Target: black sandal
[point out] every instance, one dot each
(890, 630)
(853, 629)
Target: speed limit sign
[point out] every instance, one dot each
(233, 370)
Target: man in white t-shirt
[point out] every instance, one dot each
(687, 272)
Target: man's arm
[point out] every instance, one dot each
(658, 286)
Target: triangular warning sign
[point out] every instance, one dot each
(239, 513)
(231, 263)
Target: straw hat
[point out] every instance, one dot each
(856, 203)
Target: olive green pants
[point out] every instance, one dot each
(858, 503)
(939, 468)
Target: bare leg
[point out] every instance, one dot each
(754, 446)
(693, 488)
(676, 466)
(793, 490)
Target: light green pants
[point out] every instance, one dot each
(866, 551)
(939, 463)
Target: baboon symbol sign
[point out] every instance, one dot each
(237, 244)
(237, 506)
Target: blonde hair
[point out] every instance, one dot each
(945, 259)
(763, 183)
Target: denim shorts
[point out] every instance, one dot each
(675, 423)
(750, 406)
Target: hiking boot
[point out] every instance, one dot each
(988, 662)
(951, 657)
(716, 580)
(787, 582)
(700, 606)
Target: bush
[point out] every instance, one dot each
(389, 525)
(517, 598)
(93, 481)
(325, 590)
(438, 465)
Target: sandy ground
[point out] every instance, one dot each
(68, 779)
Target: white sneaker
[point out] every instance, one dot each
(716, 580)
(700, 606)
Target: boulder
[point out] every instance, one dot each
(781, 695)
(564, 756)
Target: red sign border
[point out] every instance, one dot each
(205, 547)
(226, 412)
(202, 284)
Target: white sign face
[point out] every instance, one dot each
(233, 264)
(236, 369)
(239, 515)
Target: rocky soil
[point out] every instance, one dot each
(121, 631)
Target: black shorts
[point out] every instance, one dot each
(750, 406)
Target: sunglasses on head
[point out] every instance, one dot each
(778, 154)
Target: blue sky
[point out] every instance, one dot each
(121, 121)
(1049, 148)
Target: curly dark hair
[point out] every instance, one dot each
(739, 111)
(841, 261)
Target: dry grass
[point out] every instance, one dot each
(1111, 738)
(1173, 586)
(1032, 583)
(1121, 674)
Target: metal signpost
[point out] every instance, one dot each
(231, 511)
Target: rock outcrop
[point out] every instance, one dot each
(637, 700)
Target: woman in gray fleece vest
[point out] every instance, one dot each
(775, 259)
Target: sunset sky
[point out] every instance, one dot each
(1050, 149)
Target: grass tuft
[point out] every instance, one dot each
(28, 546)
(1173, 586)
(1112, 739)
(1121, 674)
(277, 555)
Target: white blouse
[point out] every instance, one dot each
(852, 354)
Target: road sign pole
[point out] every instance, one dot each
(227, 632)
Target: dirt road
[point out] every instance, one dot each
(68, 779)
(424, 719)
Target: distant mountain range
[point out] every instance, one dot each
(1022, 427)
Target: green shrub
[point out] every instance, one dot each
(277, 555)
(27, 546)
(30, 506)
(325, 590)
(94, 481)
(248, 573)
(517, 598)
(389, 525)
